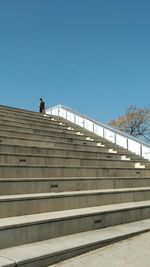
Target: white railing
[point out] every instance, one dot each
(119, 138)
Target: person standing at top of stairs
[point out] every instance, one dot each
(42, 106)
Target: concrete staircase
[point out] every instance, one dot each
(64, 190)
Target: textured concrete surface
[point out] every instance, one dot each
(6, 262)
(33, 146)
(44, 253)
(134, 252)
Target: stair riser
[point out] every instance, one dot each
(50, 229)
(49, 144)
(21, 206)
(31, 125)
(61, 152)
(39, 137)
(30, 143)
(58, 152)
(38, 126)
(56, 133)
(53, 134)
(29, 131)
(56, 130)
(84, 145)
(59, 131)
(14, 157)
(5, 136)
(57, 171)
(30, 160)
(9, 110)
(49, 128)
(16, 113)
(52, 185)
(9, 114)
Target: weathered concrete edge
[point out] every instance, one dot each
(4, 262)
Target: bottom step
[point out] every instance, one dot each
(44, 253)
(131, 252)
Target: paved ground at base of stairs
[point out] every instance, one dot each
(134, 252)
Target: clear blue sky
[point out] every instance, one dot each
(90, 55)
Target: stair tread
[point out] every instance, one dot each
(29, 155)
(6, 262)
(51, 247)
(147, 168)
(71, 149)
(68, 178)
(72, 193)
(64, 214)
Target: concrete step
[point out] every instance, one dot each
(77, 145)
(17, 205)
(6, 136)
(55, 224)
(58, 127)
(105, 142)
(100, 138)
(38, 171)
(59, 179)
(97, 138)
(44, 137)
(65, 161)
(38, 123)
(10, 150)
(133, 251)
(47, 252)
(38, 142)
(15, 186)
(50, 127)
(49, 124)
(47, 129)
(63, 134)
(55, 132)
(17, 112)
(22, 120)
(78, 152)
(20, 112)
(29, 117)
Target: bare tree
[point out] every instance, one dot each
(135, 122)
